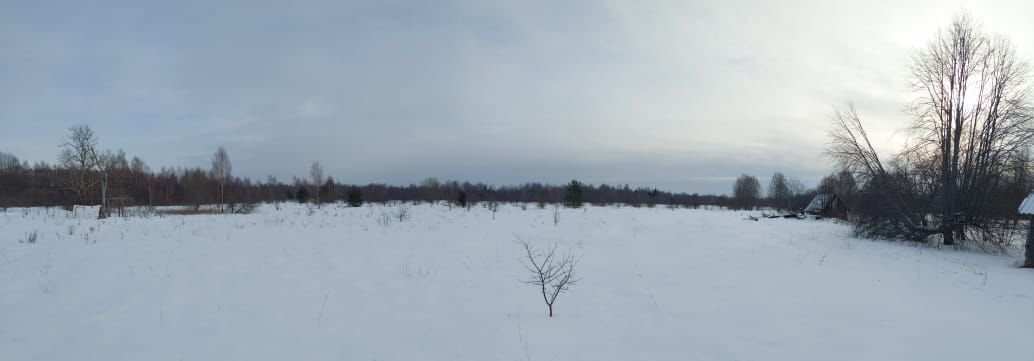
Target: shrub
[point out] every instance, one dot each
(355, 197)
(573, 198)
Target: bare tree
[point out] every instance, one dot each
(779, 191)
(79, 156)
(796, 189)
(493, 206)
(746, 191)
(551, 271)
(972, 114)
(221, 168)
(401, 212)
(971, 118)
(890, 213)
(140, 173)
(107, 161)
(8, 161)
(842, 184)
(316, 172)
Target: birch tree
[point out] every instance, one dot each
(221, 168)
(316, 172)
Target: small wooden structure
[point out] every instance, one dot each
(827, 205)
(1027, 209)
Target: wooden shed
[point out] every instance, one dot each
(827, 205)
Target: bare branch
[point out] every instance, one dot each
(551, 271)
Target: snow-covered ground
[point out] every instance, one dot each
(353, 284)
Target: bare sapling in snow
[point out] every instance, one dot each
(31, 237)
(553, 272)
(401, 212)
(556, 215)
(385, 218)
(493, 206)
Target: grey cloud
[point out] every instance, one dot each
(683, 95)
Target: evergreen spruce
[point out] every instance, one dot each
(573, 198)
(355, 197)
(461, 199)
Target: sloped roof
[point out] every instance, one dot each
(818, 204)
(1027, 207)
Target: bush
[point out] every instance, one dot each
(243, 208)
(401, 212)
(31, 238)
(573, 198)
(355, 197)
(461, 199)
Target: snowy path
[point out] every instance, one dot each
(343, 284)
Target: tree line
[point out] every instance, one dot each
(787, 193)
(86, 174)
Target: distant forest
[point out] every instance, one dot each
(84, 174)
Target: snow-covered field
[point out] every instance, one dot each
(353, 284)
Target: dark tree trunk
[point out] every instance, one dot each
(1029, 261)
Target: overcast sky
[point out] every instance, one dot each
(680, 95)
